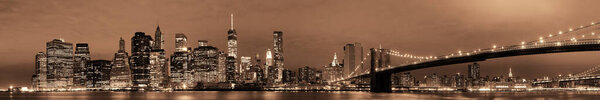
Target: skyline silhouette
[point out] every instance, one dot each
(312, 36)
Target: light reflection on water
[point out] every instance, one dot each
(275, 95)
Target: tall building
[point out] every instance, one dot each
(82, 56)
(406, 80)
(232, 41)
(60, 64)
(333, 70)
(308, 75)
(278, 54)
(510, 72)
(140, 59)
(120, 74)
(97, 73)
(473, 71)
(289, 76)
(245, 63)
(181, 73)
(230, 69)
(256, 70)
(222, 67)
(158, 69)
(159, 40)
(181, 77)
(353, 54)
(245, 70)
(433, 80)
(205, 60)
(180, 43)
(39, 77)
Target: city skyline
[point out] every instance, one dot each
(297, 40)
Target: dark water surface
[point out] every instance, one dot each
(275, 95)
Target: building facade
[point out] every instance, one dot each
(139, 60)
(232, 41)
(39, 77)
(278, 61)
(205, 60)
(333, 70)
(97, 73)
(60, 64)
(82, 56)
(120, 74)
(353, 54)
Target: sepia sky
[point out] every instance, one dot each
(313, 29)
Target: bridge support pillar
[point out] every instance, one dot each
(380, 81)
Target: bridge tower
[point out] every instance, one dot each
(380, 81)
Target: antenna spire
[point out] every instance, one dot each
(231, 21)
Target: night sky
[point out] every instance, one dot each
(313, 29)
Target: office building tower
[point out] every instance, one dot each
(333, 70)
(289, 76)
(82, 56)
(205, 60)
(244, 70)
(140, 59)
(353, 54)
(39, 77)
(278, 54)
(180, 43)
(232, 41)
(60, 64)
(222, 67)
(473, 71)
(257, 69)
(97, 73)
(181, 77)
(230, 69)
(158, 69)
(120, 74)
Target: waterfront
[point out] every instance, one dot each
(290, 95)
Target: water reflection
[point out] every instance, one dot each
(288, 95)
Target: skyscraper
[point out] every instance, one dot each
(278, 55)
(120, 74)
(244, 70)
(158, 69)
(97, 73)
(60, 64)
(181, 73)
(159, 41)
(230, 69)
(205, 62)
(333, 70)
(269, 75)
(180, 42)
(473, 71)
(353, 54)
(158, 63)
(510, 75)
(39, 77)
(82, 56)
(222, 67)
(140, 59)
(232, 40)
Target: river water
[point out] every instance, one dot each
(287, 95)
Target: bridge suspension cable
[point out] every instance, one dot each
(589, 71)
(542, 42)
